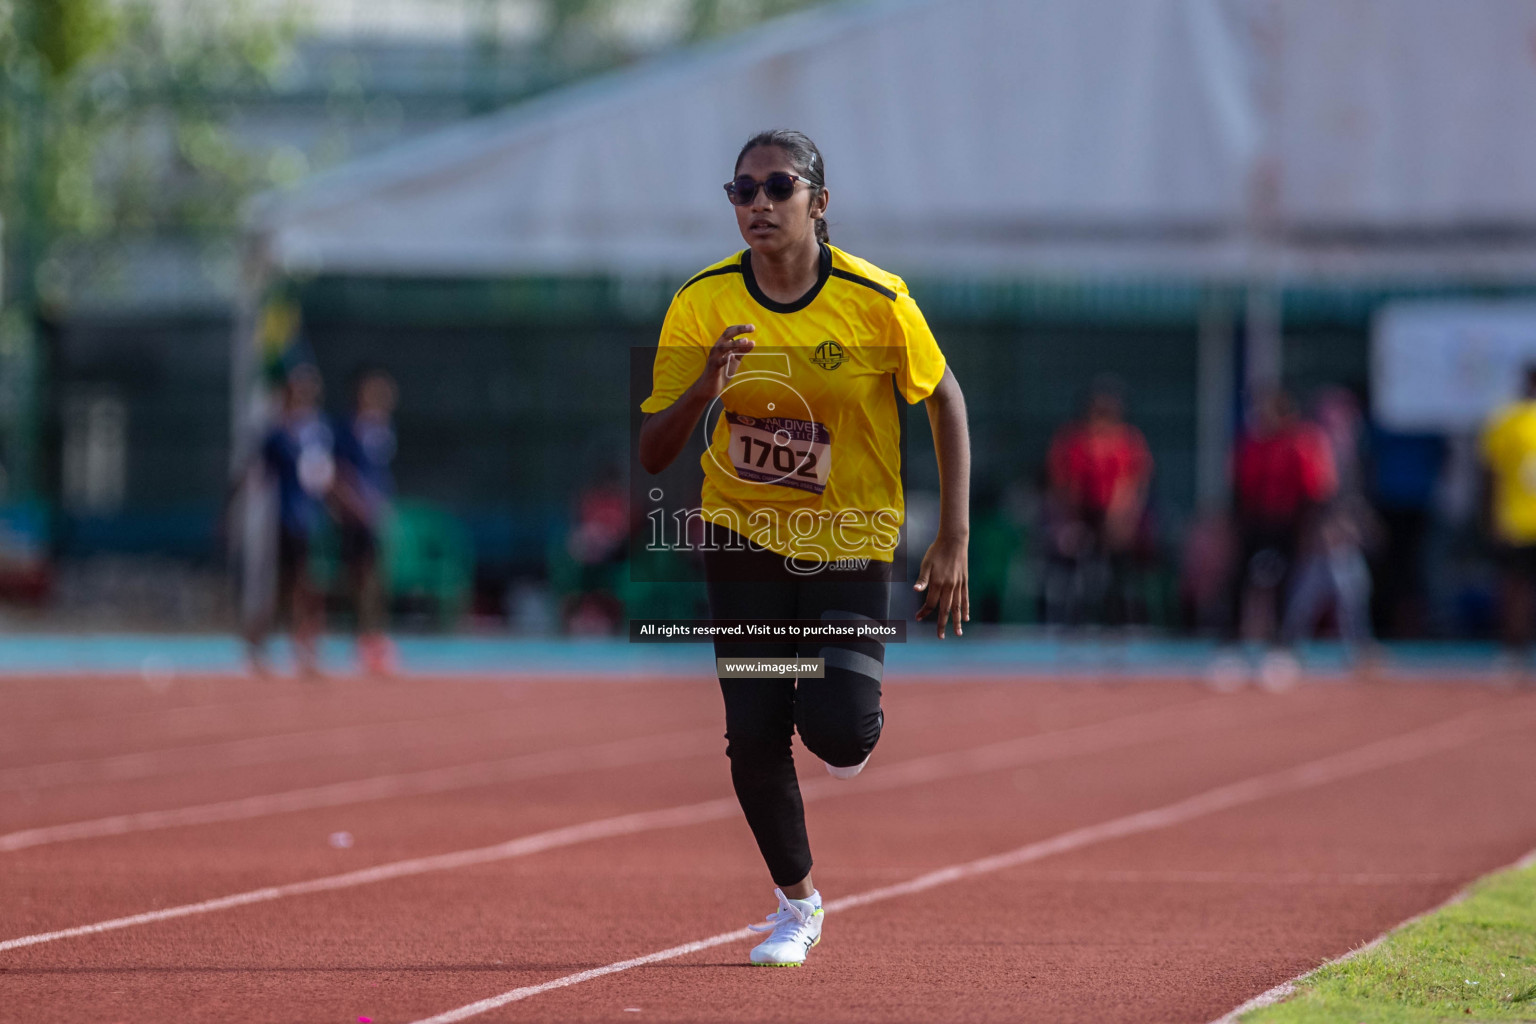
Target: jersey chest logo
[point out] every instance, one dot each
(829, 355)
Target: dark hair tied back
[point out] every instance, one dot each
(803, 156)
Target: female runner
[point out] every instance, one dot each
(799, 344)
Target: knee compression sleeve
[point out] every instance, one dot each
(839, 715)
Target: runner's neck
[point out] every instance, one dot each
(786, 277)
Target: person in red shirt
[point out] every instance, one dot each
(1282, 472)
(1099, 468)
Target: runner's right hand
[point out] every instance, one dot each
(723, 358)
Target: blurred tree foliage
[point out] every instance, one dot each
(115, 123)
(151, 84)
(708, 18)
(691, 20)
(80, 76)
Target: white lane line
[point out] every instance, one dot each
(1286, 989)
(673, 746)
(1097, 737)
(241, 753)
(1083, 739)
(1307, 878)
(524, 846)
(1125, 731)
(519, 994)
(1371, 757)
(125, 715)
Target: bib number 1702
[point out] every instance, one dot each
(783, 458)
(779, 450)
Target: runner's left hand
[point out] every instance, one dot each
(943, 577)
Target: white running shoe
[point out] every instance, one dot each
(849, 772)
(796, 927)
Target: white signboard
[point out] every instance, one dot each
(1445, 365)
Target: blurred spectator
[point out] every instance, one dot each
(1509, 457)
(1405, 474)
(597, 545)
(1099, 470)
(299, 455)
(1282, 470)
(1332, 570)
(995, 541)
(1209, 549)
(1461, 581)
(365, 447)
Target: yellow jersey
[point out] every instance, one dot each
(805, 452)
(1509, 449)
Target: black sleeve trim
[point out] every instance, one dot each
(866, 282)
(734, 268)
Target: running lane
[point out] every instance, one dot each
(1163, 924)
(64, 885)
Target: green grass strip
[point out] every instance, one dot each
(1474, 960)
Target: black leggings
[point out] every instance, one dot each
(839, 716)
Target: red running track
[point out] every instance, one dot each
(1168, 853)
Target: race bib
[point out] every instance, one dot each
(779, 450)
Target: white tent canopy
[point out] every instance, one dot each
(1244, 138)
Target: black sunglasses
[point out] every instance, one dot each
(778, 188)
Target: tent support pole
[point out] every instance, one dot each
(1263, 339)
(1214, 399)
